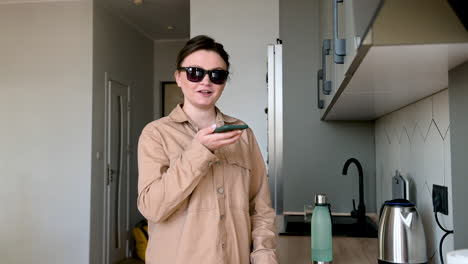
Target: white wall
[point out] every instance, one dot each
(127, 56)
(45, 136)
(245, 28)
(416, 141)
(165, 54)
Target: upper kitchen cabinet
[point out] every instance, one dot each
(343, 23)
(361, 15)
(404, 54)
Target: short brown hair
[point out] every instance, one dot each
(201, 42)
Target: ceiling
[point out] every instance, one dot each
(154, 17)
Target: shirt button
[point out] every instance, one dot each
(220, 190)
(221, 217)
(210, 163)
(223, 245)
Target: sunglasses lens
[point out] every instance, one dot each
(195, 74)
(218, 76)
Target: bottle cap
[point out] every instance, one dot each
(320, 199)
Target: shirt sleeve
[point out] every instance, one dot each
(162, 186)
(262, 215)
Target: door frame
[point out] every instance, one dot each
(107, 79)
(163, 96)
(275, 125)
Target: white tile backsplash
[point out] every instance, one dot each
(433, 152)
(422, 115)
(416, 141)
(405, 153)
(441, 112)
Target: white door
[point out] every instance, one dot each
(117, 182)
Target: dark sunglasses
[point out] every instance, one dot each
(195, 74)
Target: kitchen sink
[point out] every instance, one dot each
(295, 225)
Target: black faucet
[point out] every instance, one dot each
(360, 213)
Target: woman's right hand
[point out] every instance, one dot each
(214, 141)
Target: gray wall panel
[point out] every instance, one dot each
(127, 56)
(315, 151)
(458, 98)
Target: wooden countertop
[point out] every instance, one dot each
(346, 250)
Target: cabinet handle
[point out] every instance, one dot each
(319, 78)
(339, 45)
(326, 85)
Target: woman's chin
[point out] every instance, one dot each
(204, 105)
(208, 103)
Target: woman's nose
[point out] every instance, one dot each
(206, 80)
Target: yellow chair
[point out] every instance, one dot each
(140, 233)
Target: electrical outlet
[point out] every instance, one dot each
(440, 199)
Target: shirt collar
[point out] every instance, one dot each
(178, 115)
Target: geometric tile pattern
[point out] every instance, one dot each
(416, 141)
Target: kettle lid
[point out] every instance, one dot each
(399, 202)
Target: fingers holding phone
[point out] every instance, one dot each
(214, 140)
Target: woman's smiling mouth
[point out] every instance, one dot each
(205, 92)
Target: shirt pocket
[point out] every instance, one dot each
(202, 197)
(237, 182)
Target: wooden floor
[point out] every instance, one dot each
(346, 250)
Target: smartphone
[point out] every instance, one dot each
(227, 128)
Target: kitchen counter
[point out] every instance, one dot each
(346, 250)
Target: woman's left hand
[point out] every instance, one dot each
(214, 141)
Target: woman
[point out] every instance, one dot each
(205, 194)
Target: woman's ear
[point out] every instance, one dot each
(177, 77)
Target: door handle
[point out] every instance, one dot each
(319, 78)
(339, 45)
(326, 85)
(110, 175)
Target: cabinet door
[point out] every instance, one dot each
(354, 20)
(364, 12)
(345, 30)
(325, 61)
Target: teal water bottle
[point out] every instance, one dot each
(321, 231)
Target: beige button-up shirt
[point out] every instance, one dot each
(204, 207)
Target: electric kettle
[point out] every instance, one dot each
(401, 234)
